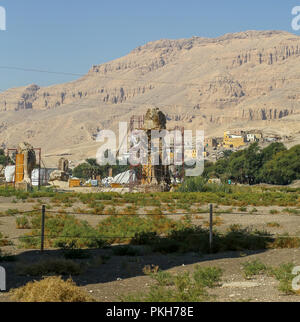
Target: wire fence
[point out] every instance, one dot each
(211, 233)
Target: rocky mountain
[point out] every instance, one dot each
(248, 79)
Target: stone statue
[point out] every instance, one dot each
(156, 175)
(63, 165)
(29, 160)
(155, 119)
(62, 173)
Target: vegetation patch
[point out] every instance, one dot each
(285, 241)
(51, 266)
(273, 224)
(62, 231)
(283, 274)
(50, 289)
(4, 241)
(252, 268)
(22, 223)
(183, 287)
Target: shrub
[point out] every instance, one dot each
(238, 238)
(207, 276)
(4, 241)
(273, 224)
(51, 266)
(284, 275)
(62, 231)
(79, 235)
(199, 184)
(11, 212)
(174, 288)
(285, 241)
(163, 278)
(22, 223)
(292, 211)
(150, 269)
(122, 229)
(217, 221)
(50, 289)
(252, 268)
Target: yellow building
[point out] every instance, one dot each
(233, 141)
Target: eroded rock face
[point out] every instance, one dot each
(198, 83)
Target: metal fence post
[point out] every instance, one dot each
(43, 228)
(210, 227)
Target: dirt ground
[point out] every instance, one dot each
(123, 275)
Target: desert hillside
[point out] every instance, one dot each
(243, 80)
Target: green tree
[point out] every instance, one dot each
(91, 169)
(284, 168)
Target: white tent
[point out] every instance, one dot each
(125, 177)
(9, 173)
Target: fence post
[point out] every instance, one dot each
(43, 228)
(210, 227)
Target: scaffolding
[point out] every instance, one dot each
(148, 174)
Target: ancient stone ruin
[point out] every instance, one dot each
(62, 173)
(157, 177)
(25, 163)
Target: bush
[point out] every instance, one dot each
(121, 229)
(4, 241)
(285, 241)
(252, 268)
(199, 184)
(62, 231)
(273, 224)
(51, 266)
(50, 289)
(163, 278)
(284, 275)
(207, 276)
(11, 212)
(171, 288)
(22, 223)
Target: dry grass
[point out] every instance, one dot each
(148, 269)
(285, 241)
(273, 224)
(217, 221)
(50, 289)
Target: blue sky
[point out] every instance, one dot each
(70, 35)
